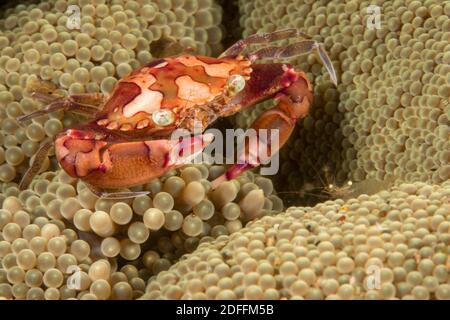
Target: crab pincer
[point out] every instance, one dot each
(107, 162)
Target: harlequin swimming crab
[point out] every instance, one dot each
(125, 143)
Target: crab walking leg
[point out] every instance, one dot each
(295, 49)
(293, 102)
(87, 104)
(115, 195)
(34, 168)
(261, 38)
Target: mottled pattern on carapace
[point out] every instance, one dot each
(175, 83)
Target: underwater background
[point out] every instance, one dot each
(360, 208)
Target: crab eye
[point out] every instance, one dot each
(235, 84)
(163, 117)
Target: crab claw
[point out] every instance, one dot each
(112, 164)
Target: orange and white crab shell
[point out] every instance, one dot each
(171, 84)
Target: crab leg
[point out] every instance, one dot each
(261, 38)
(87, 104)
(115, 195)
(36, 165)
(298, 48)
(293, 102)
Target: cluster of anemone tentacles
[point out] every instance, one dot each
(388, 118)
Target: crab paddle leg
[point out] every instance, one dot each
(293, 102)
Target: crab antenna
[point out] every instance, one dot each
(36, 165)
